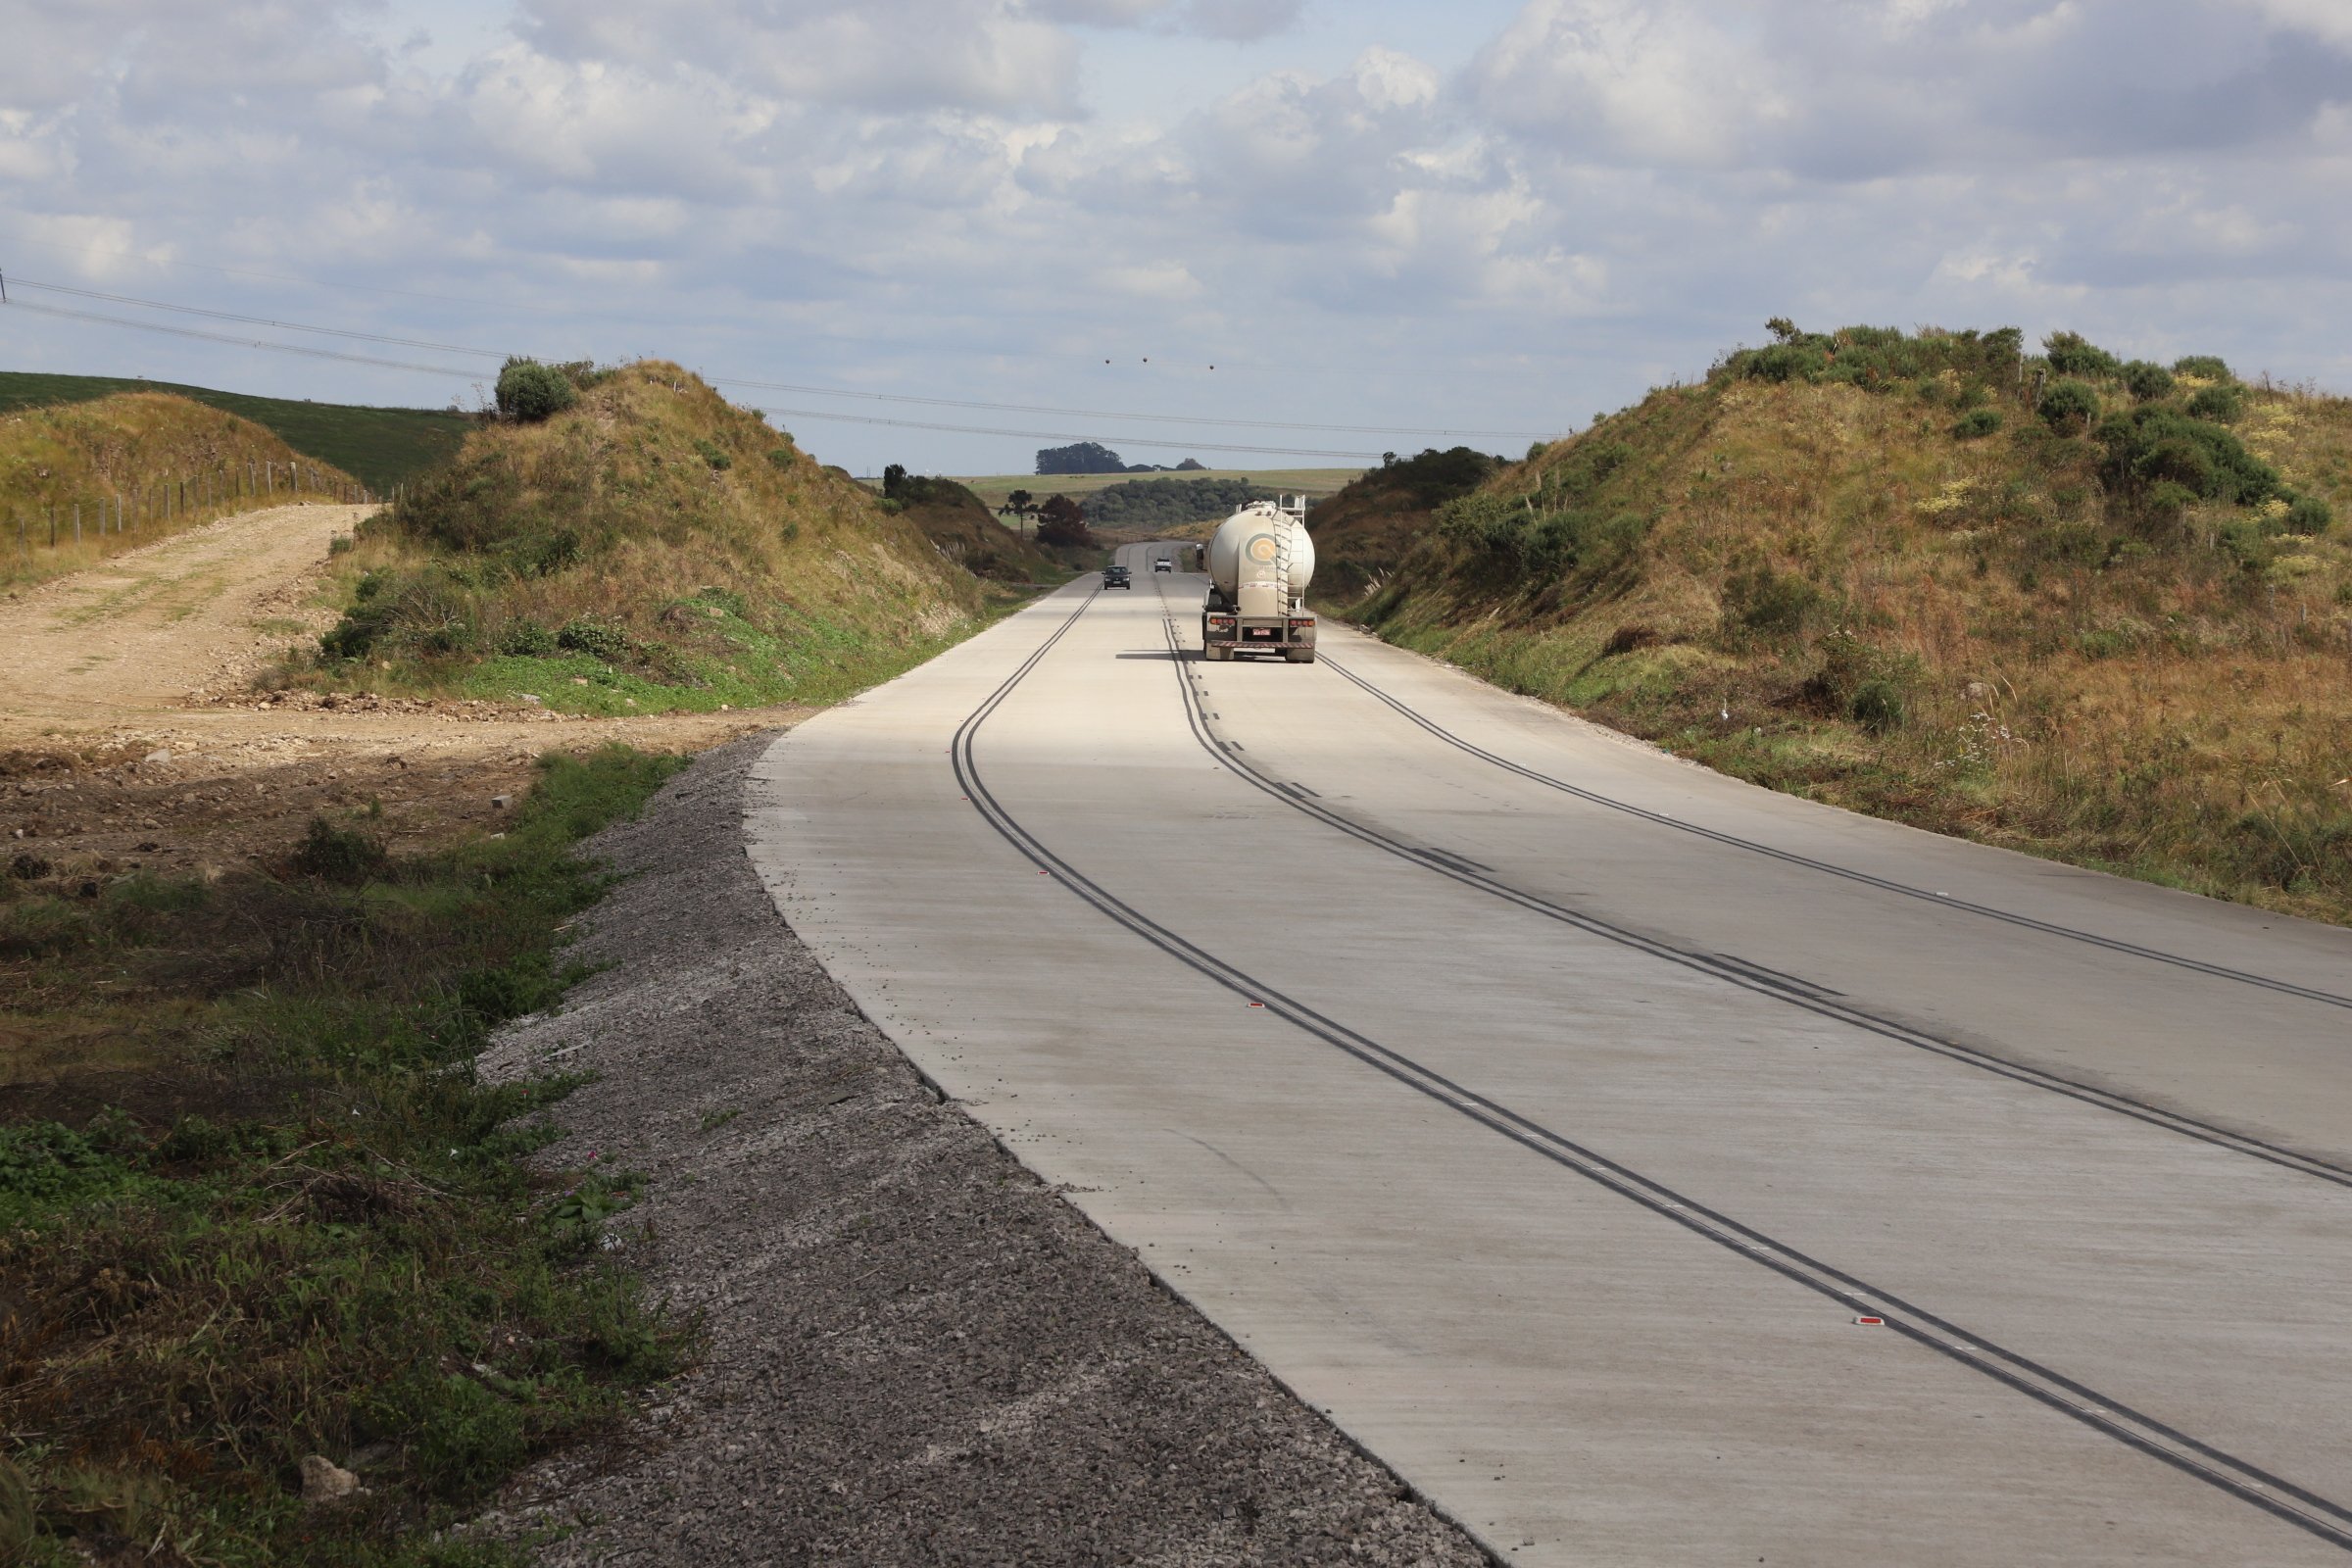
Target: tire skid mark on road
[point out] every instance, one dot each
(1793, 989)
(1829, 869)
(2273, 1494)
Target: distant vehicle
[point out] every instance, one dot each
(1164, 563)
(1259, 565)
(1117, 578)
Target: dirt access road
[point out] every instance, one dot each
(132, 738)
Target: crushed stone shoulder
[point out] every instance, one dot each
(917, 1351)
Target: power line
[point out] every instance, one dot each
(736, 380)
(796, 414)
(239, 342)
(1099, 413)
(259, 320)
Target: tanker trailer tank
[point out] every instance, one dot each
(1259, 563)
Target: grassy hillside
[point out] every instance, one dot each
(1155, 504)
(652, 547)
(379, 446)
(138, 467)
(969, 534)
(1363, 533)
(2096, 611)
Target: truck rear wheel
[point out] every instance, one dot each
(1297, 656)
(1216, 654)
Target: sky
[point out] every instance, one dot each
(1183, 228)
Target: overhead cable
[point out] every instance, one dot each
(759, 385)
(259, 320)
(239, 342)
(1099, 413)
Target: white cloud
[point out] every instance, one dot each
(905, 194)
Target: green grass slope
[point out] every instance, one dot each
(968, 533)
(2090, 610)
(652, 547)
(379, 446)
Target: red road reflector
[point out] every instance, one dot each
(1257, 1004)
(1872, 1322)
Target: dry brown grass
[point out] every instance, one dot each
(170, 464)
(2068, 674)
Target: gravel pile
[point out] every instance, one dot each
(916, 1353)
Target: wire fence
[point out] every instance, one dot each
(167, 504)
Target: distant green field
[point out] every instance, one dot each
(381, 447)
(994, 488)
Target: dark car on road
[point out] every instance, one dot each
(1117, 578)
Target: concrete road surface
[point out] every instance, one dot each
(1553, 1112)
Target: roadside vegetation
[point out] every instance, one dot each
(995, 490)
(2088, 607)
(81, 481)
(962, 529)
(266, 1221)
(1153, 504)
(627, 541)
(378, 447)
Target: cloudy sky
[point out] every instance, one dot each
(1486, 217)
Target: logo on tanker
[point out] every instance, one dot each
(1261, 549)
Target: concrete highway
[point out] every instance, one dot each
(1549, 1111)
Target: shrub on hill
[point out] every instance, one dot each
(530, 391)
(2069, 407)
(2070, 353)
(2150, 445)
(1878, 359)
(2147, 382)
(2223, 405)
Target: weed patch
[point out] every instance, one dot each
(333, 1246)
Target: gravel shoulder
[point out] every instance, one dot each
(917, 1351)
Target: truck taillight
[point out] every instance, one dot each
(1302, 626)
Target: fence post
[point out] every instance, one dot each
(77, 523)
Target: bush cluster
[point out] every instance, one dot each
(1541, 545)
(530, 391)
(1879, 359)
(1164, 502)
(2153, 443)
(1760, 600)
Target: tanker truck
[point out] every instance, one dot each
(1259, 563)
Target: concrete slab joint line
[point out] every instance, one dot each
(2084, 1259)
